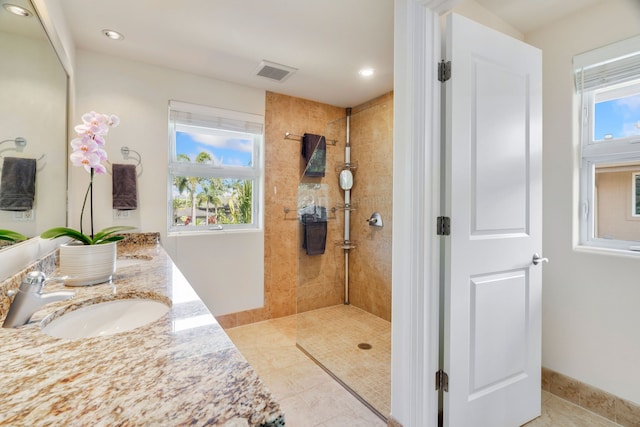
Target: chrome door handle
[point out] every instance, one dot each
(537, 260)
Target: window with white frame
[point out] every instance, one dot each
(608, 89)
(215, 168)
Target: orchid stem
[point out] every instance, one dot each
(91, 202)
(84, 203)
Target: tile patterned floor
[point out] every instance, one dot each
(312, 398)
(323, 335)
(307, 394)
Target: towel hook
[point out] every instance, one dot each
(126, 154)
(20, 143)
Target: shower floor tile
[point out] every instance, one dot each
(307, 394)
(310, 397)
(332, 336)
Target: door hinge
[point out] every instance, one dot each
(442, 380)
(444, 226)
(444, 71)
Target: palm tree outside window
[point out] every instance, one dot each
(215, 169)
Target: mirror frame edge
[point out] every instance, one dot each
(66, 55)
(22, 254)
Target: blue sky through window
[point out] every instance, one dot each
(617, 118)
(226, 148)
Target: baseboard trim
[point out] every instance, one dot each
(393, 423)
(605, 404)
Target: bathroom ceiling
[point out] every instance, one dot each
(328, 41)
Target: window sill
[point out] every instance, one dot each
(213, 232)
(599, 250)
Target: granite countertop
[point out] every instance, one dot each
(181, 369)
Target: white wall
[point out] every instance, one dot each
(591, 302)
(472, 10)
(226, 269)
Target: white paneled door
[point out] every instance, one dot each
(493, 187)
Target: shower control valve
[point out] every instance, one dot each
(375, 220)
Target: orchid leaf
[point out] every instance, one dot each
(56, 232)
(105, 235)
(11, 236)
(109, 239)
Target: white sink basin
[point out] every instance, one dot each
(106, 318)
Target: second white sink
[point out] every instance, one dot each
(106, 318)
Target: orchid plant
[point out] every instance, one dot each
(89, 152)
(11, 236)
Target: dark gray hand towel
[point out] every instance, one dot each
(125, 189)
(314, 151)
(315, 231)
(17, 184)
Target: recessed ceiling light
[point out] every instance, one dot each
(113, 35)
(366, 72)
(17, 10)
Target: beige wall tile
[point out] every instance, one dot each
(546, 379)
(370, 262)
(393, 423)
(595, 400)
(294, 280)
(627, 413)
(598, 401)
(565, 387)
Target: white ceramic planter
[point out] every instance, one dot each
(87, 265)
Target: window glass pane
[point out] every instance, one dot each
(618, 117)
(214, 146)
(617, 201)
(215, 170)
(205, 202)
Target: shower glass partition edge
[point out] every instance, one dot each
(351, 344)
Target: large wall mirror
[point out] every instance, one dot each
(33, 106)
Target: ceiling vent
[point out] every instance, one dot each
(274, 71)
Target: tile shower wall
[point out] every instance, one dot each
(321, 277)
(283, 170)
(321, 281)
(370, 263)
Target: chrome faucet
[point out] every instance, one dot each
(29, 298)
